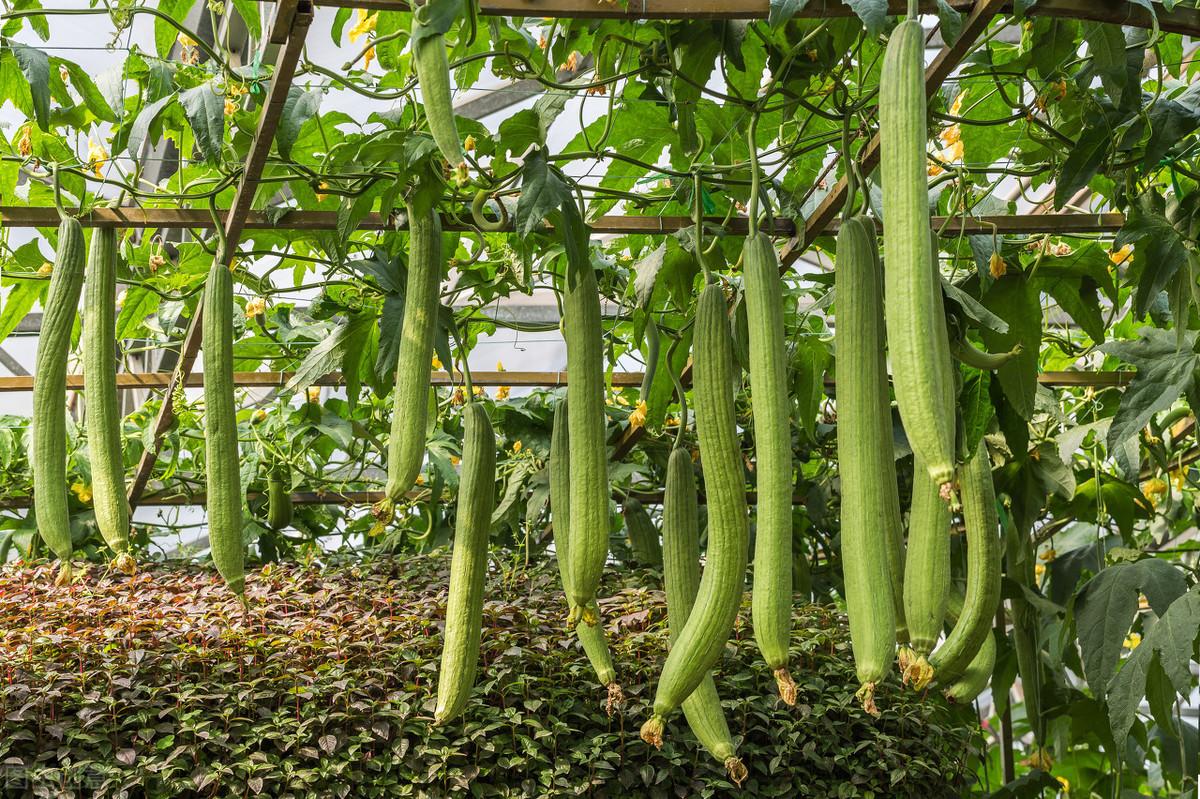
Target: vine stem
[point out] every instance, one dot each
(698, 219)
(58, 203)
(752, 142)
(914, 10)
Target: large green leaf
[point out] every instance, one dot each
(165, 33)
(1106, 606)
(35, 65)
(299, 107)
(1169, 642)
(205, 112)
(1164, 372)
(1016, 301)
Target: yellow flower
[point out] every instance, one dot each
(638, 417)
(934, 170)
(368, 57)
(365, 24)
(255, 307)
(25, 143)
(314, 394)
(83, 491)
(951, 135)
(517, 446)
(259, 417)
(45, 269)
(457, 397)
(420, 479)
(1179, 478)
(502, 392)
(469, 143)
(1048, 556)
(436, 363)
(953, 152)
(996, 265)
(1155, 491)
(671, 421)
(1132, 641)
(231, 106)
(476, 391)
(1039, 571)
(155, 261)
(185, 41)
(499, 366)
(621, 399)
(97, 157)
(1066, 785)
(322, 185)
(234, 90)
(1122, 255)
(956, 106)
(64, 73)
(455, 460)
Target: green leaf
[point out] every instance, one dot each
(140, 302)
(1082, 162)
(1016, 301)
(299, 107)
(1161, 251)
(1164, 373)
(139, 133)
(17, 303)
(973, 309)
(783, 10)
(950, 20)
(542, 193)
(248, 11)
(1170, 641)
(1106, 46)
(86, 87)
(873, 14)
(976, 404)
(205, 111)
(165, 33)
(35, 65)
(810, 359)
(1107, 605)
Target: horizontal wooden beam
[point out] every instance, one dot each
(159, 380)
(15, 216)
(1117, 12)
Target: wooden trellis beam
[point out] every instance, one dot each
(156, 380)
(289, 29)
(15, 216)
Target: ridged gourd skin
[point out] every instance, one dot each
(468, 565)
(591, 636)
(222, 461)
(49, 419)
(978, 673)
(681, 579)
(643, 537)
(916, 325)
(867, 469)
(102, 405)
(950, 659)
(433, 76)
(279, 498)
(926, 571)
(772, 592)
(410, 399)
(588, 455)
(710, 623)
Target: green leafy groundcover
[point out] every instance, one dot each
(161, 685)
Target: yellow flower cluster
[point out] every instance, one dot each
(255, 307)
(83, 492)
(638, 417)
(951, 139)
(365, 26)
